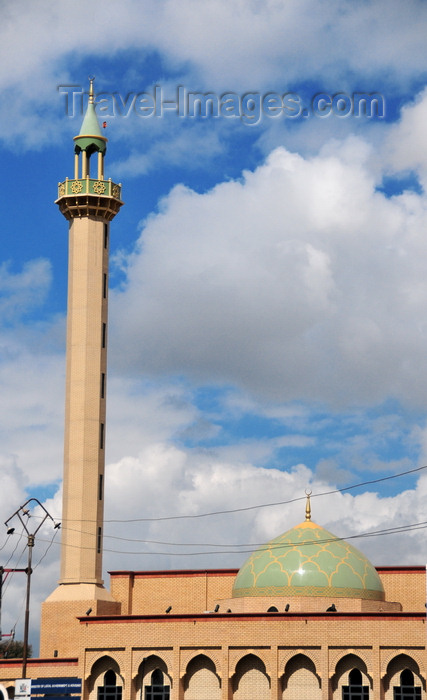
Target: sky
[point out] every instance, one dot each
(268, 288)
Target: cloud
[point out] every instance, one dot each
(31, 376)
(406, 142)
(179, 482)
(23, 291)
(217, 46)
(300, 281)
(190, 149)
(31, 406)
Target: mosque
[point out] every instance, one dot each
(307, 616)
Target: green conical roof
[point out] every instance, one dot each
(308, 561)
(90, 138)
(90, 126)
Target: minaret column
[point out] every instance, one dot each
(85, 164)
(89, 205)
(84, 444)
(100, 166)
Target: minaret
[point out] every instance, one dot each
(89, 203)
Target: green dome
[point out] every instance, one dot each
(308, 561)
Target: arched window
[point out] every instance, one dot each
(355, 690)
(250, 680)
(272, 608)
(157, 690)
(201, 681)
(406, 690)
(110, 690)
(355, 677)
(300, 679)
(406, 677)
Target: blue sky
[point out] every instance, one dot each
(267, 281)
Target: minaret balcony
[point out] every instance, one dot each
(89, 197)
(89, 185)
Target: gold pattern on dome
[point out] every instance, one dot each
(307, 592)
(99, 187)
(76, 187)
(116, 191)
(308, 560)
(61, 190)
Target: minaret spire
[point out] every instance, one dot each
(89, 204)
(90, 140)
(91, 92)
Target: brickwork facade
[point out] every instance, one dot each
(152, 592)
(199, 654)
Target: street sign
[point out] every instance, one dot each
(56, 686)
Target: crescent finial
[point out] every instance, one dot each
(308, 493)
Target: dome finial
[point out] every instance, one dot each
(308, 505)
(91, 93)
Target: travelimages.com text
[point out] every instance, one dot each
(249, 107)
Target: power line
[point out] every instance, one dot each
(229, 547)
(47, 549)
(249, 548)
(269, 505)
(279, 546)
(259, 505)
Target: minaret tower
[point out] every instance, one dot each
(89, 203)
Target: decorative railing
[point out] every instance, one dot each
(88, 185)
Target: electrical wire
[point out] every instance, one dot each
(269, 505)
(249, 548)
(47, 549)
(5, 588)
(14, 550)
(5, 542)
(229, 547)
(260, 505)
(10, 642)
(11, 578)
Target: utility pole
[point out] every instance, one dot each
(24, 511)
